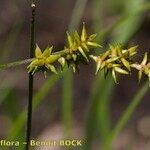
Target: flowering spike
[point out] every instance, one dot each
(38, 52)
(114, 75)
(83, 54)
(92, 37)
(139, 75)
(84, 34)
(113, 51)
(126, 63)
(52, 59)
(85, 47)
(35, 69)
(98, 65)
(95, 58)
(62, 61)
(47, 51)
(77, 37)
(52, 68)
(29, 69)
(132, 50)
(50, 49)
(74, 56)
(93, 44)
(119, 70)
(144, 59)
(70, 40)
(103, 65)
(114, 60)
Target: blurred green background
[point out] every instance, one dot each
(75, 106)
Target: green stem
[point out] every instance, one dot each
(26, 61)
(14, 64)
(30, 96)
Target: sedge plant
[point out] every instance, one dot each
(116, 60)
(78, 51)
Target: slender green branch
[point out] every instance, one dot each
(14, 64)
(25, 61)
(30, 96)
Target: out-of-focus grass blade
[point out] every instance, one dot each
(99, 109)
(67, 103)
(77, 14)
(132, 23)
(90, 123)
(98, 115)
(126, 115)
(109, 30)
(19, 122)
(17, 132)
(11, 105)
(4, 93)
(116, 5)
(103, 111)
(11, 39)
(7, 96)
(97, 15)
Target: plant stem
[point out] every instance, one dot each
(30, 96)
(26, 61)
(14, 64)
